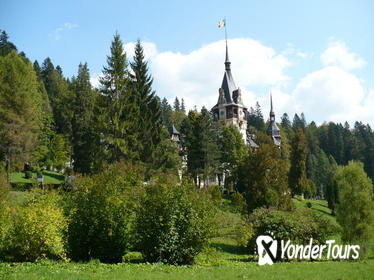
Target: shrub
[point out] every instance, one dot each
(298, 226)
(309, 204)
(237, 199)
(28, 174)
(5, 217)
(101, 211)
(173, 222)
(215, 194)
(37, 231)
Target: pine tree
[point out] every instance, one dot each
(5, 45)
(61, 98)
(176, 104)
(256, 119)
(85, 138)
(183, 107)
(286, 125)
(149, 105)
(209, 146)
(298, 122)
(298, 181)
(120, 119)
(200, 141)
(166, 113)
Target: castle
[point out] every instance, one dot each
(230, 109)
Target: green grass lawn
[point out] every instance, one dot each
(50, 178)
(233, 270)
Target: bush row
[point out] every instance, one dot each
(106, 215)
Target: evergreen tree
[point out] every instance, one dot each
(256, 119)
(5, 45)
(176, 104)
(298, 181)
(298, 122)
(149, 105)
(166, 113)
(200, 140)
(166, 155)
(183, 107)
(37, 69)
(59, 70)
(286, 125)
(120, 119)
(85, 138)
(210, 149)
(331, 192)
(61, 98)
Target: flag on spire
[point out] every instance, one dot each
(221, 23)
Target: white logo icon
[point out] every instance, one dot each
(266, 249)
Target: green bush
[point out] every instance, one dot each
(355, 208)
(238, 201)
(28, 174)
(298, 226)
(309, 204)
(173, 222)
(101, 211)
(215, 194)
(37, 231)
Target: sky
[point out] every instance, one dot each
(314, 56)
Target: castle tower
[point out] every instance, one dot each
(273, 131)
(230, 109)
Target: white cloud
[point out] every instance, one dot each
(337, 54)
(94, 80)
(328, 94)
(57, 33)
(196, 76)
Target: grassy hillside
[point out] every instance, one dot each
(50, 178)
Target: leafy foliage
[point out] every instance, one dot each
(298, 226)
(100, 210)
(173, 222)
(355, 209)
(37, 231)
(20, 109)
(263, 177)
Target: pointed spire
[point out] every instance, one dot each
(271, 103)
(227, 61)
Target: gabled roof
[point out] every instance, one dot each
(173, 130)
(228, 85)
(273, 129)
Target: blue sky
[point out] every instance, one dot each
(297, 32)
